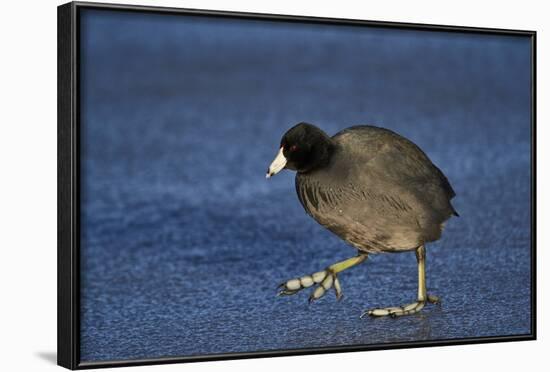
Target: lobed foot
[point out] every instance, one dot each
(324, 280)
(396, 311)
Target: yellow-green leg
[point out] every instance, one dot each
(423, 296)
(324, 279)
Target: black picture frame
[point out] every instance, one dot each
(68, 321)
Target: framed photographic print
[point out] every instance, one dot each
(235, 185)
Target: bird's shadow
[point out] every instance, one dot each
(48, 356)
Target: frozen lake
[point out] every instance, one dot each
(183, 239)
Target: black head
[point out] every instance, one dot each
(304, 148)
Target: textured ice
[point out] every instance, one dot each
(184, 240)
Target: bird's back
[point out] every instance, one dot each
(380, 192)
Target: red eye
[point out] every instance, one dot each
(293, 148)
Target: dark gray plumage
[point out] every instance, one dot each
(379, 192)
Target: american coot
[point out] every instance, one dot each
(376, 190)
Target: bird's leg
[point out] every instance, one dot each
(423, 296)
(324, 279)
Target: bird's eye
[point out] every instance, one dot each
(293, 148)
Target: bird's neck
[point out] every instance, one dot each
(320, 155)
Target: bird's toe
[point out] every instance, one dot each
(397, 311)
(324, 280)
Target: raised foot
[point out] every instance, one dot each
(324, 280)
(396, 311)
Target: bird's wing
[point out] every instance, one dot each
(405, 167)
(400, 159)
